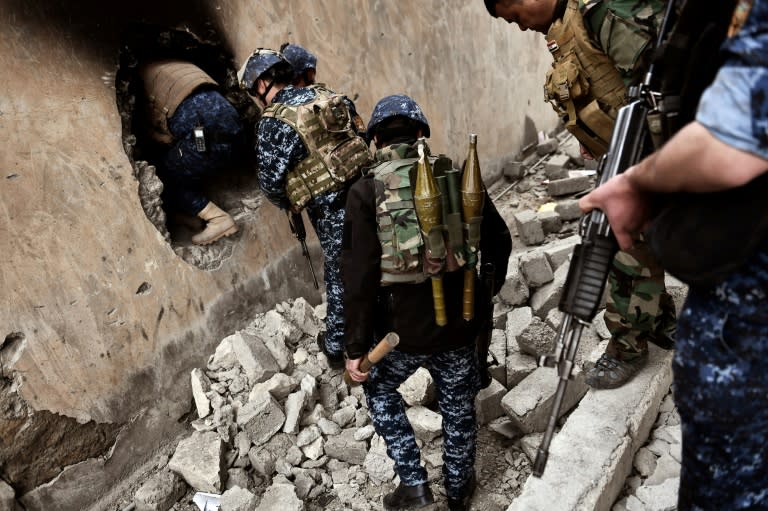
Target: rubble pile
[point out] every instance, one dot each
(276, 428)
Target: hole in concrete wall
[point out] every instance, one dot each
(173, 185)
(12, 343)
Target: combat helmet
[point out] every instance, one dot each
(397, 105)
(299, 57)
(258, 63)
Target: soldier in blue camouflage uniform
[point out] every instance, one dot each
(378, 301)
(182, 99)
(720, 379)
(304, 63)
(279, 149)
(609, 42)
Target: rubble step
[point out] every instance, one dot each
(591, 456)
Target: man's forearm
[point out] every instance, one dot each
(695, 161)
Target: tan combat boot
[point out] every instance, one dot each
(218, 224)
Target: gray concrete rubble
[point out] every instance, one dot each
(273, 427)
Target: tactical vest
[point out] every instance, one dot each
(402, 243)
(583, 86)
(167, 84)
(336, 153)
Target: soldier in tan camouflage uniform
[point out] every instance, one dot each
(599, 48)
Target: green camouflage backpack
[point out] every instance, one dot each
(402, 243)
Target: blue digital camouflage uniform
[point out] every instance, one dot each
(278, 150)
(184, 169)
(457, 382)
(638, 307)
(720, 376)
(448, 352)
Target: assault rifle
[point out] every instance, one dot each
(300, 233)
(684, 63)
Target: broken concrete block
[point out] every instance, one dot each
(535, 268)
(547, 146)
(294, 406)
(280, 497)
(303, 316)
(560, 251)
(427, 425)
(199, 460)
(158, 493)
(279, 385)
(550, 222)
(419, 388)
(529, 404)
(365, 432)
(519, 366)
(556, 166)
(547, 297)
(529, 228)
(248, 352)
(315, 449)
(537, 339)
(276, 325)
(379, 467)
(513, 169)
(488, 402)
(515, 289)
(238, 477)
(238, 499)
(344, 447)
(569, 185)
(343, 416)
(261, 418)
(517, 321)
(200, 385)
(568, 209)
(262, 461)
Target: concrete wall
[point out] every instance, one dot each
(90, 360)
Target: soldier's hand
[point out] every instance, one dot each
(627, 208)
(353, 368)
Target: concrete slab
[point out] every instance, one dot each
(592, 454)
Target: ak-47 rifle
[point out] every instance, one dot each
(663, 100)
(300, 233)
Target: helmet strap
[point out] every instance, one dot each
(263, 97)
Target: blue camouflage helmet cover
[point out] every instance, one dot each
(257, 64)
(299, 57)
(393, 106)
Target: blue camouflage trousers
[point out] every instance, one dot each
(328, 222)
(721, 390)
(184, 169)
(457, 383)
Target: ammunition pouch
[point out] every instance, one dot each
(336, 153)
(583, 86)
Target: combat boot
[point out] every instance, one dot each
(462, 502)
(610, 372)
(408, 497)
(218, 224)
